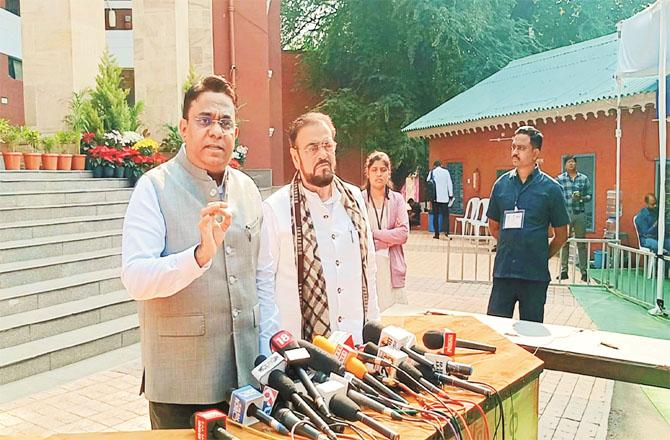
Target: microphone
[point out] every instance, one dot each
(210, 424)
(456, 382)
(363, 400)
(286, 417)
(353, 365)
(321, 360)
(282, 383)
(244, 409)
(435, 340)
(415, 374)
(344, 407)
(284, 343)
(403, 340)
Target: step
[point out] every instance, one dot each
(44, 174)
(29, 213)
(66, 348)
(62, 290)
(12, 185)
(50, 227)
(42, 198)
(49, 321)
(43, 247)
(262, 176)
(24, 272)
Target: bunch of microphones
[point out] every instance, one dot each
(317, 389)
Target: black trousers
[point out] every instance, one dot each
(178, 416)
(531, 295)
(440, 209)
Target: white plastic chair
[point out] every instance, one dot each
(470, 212)
(651, 261)
(481, 220)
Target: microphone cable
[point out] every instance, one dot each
(501, 419)
(357, 429)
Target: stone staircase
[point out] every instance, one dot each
(61, 298)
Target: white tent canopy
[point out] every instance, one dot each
(643, 51)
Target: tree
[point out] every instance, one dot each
(380, 64)
(558, 23)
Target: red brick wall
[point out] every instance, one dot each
(257, 50)
(13, 90)
(596, 135)
(296, 100)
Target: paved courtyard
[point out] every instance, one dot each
(571, 406)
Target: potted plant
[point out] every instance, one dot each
(49, 159)
(31, 159)
(9, 135)
(172, 142)
(66, 140)
(102, 160)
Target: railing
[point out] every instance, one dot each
(470, 258)
(631, 273)
(573, 246)
(626, 271)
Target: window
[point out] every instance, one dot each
(13, 6)
(586, 164)
(456, 171)
(15, 68)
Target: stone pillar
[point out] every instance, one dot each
(200, 38)
(62, 42)
(161, 38)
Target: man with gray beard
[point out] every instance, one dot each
(316, 265)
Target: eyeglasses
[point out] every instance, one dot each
(226, 124)
(313, 149)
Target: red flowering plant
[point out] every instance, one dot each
(102, 155)
(87, 142)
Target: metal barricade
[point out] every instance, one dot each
(631, 273)
(470, 258)
(598, 245)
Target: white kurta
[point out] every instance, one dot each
(338, 248)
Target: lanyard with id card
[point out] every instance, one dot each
(513, 218)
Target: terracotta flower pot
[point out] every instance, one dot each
(12, 160)
(65, 162)
(32, 160)
(49, 161)
(78, 162)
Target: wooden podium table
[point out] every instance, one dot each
(511, 370)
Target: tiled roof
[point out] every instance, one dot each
(567, 76)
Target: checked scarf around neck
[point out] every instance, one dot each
(311, 283)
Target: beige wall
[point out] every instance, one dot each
(201, 54)
(169, 35)
(62, 42)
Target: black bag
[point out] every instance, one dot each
(431, 191)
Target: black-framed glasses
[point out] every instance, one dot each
(226, 124)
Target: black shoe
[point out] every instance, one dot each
(563, 276)
(585, 278)
(436, 237)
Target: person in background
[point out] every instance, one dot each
(444, 195)
(646, 223)
(524, 203)
(390, 228)
(414, 212)
(576, 192)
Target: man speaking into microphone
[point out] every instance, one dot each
(190, 242)
(316, 265)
